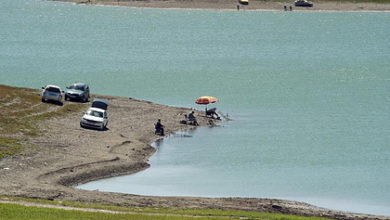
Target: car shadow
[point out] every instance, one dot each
(77, 100)
(96, 129)
(54, 102)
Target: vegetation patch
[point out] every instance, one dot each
(169, 213)
(9, 146)
(21, 111)
(12, 211)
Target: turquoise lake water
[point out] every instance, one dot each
(308, 94)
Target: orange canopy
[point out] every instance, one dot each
(205, 100)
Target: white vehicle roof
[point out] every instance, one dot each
(96, 109)
(53, 86)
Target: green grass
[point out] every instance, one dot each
(21, 112)
(206, 213)
(11, 211)
(9, 146)
(22, 109)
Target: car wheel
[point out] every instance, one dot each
(66, 98)
(85, 99)
(43, 100)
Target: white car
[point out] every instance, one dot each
(94, 118)
(52, 93)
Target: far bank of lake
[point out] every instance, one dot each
(254, 5)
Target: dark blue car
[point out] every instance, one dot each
(77, 91)
(303, 3)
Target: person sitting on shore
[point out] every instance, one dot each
(192, 119)
(212, 112)
(159, 128)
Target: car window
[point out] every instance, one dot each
(95, 113)
(77, 87)
(52, 89)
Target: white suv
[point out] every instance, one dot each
(51, 92)
(94, 118)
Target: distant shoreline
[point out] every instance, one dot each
(231, 5)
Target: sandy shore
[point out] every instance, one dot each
(66, 155)
(232, 5)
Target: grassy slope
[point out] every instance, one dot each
(216, 214)
(13, 211)
(21, 110)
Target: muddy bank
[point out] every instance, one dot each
(65, 155)
(232, 5)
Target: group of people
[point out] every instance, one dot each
(190, 120)
(285, 8)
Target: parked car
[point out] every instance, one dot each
(243, 2)
(100, 103)
(96, 116)
(77, 91)
(52, 93)
(303, 3)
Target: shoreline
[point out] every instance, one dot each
(67, 155)
(231, 5)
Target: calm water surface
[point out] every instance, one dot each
(308, 92)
